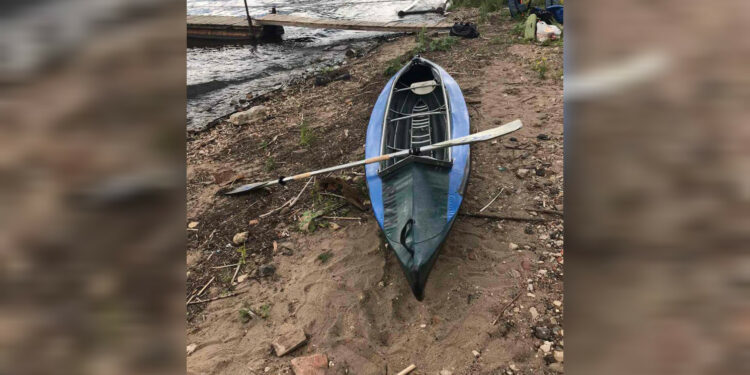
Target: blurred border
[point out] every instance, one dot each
(92, 176)
(657, 189)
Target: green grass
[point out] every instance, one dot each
(270, 164)
(443, 44)
(541, 67)
(245, 315)
(324, 257)
(306, 135)
(263, 145)
(243, 254)
(264, 311)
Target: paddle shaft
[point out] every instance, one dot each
(471, 138)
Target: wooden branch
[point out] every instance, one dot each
(407, 370)
(504, 217)
(216, 298)
(549, 212)
(493, 199)
(225, 266)
(340, 218)
(201, 291)
(506, 307)
(235, 272)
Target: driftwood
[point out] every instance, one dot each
(504, 217)
(216, 298)
(201, 291)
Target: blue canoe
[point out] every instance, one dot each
(416, 199)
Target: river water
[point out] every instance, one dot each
(217, 75)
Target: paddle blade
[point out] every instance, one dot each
(249, 187)
(492, 133)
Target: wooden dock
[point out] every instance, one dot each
(237, 28)
(320, 23)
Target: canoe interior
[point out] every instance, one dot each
(401, 130)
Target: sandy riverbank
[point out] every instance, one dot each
(338, 283)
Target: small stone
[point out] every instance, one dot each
(254, 222)
(557, 330)
(532, 295)
(476, 353)
(267, 369)
(539, 172)
(293, 338)
(513, 367)
(512, 246)
(381, 284)
(543, 137)
(558, 354)
(275, 246)
(546, 347)
(240, 238)
(559, 243)
(334, 226)
(528, 229)
(242, 278)
(248, 116)
(556, 367)
(515, 273)
(522, 172)
(315, 364)
(192, 224)
(266, 270)
(542, 272)
(557, 303)
(534, 313)
(191, 348)
(423, 326)
(542, 333)
(446, 372)
(331, 364)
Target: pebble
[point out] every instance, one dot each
(241, 278)
(542, 333)
(240, 238)
(556, 367)
(515, 273)
(191, 348)
(557, 303)
(513, 367)
(534, 313)
(559, 243)
(446, 372)
(558, 354)
(267, 369)
(542, 137)
(254, 222)
(381, 284)
(476, 353)
(546, 347)
(192, 224)
(532, 295)
(522, 172)
(423, 326)
(542, 272)
(512, 246)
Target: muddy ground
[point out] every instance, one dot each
(336, 280)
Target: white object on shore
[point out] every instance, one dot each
(245, 117)
(408, 369)
(546, 32)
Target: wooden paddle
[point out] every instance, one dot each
(471, 138)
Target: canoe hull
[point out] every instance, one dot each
(416, 201)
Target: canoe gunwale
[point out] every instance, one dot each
(415, 159)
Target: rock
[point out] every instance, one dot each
(522, 172)
(254, 222)
(557, 303)
(267, 270)
(191, 348)
(291, 339)
(240, 238)
(446, 372)
(381, 284)
(351, 52)
(526, 264)
(557, 330)
(542, 333)
(334, 226)
(267, 369)
(543, 137)
(193, 224)
(528, 229)
(556, 367)
(512, 246)
(242, 278)
(475, 353)
(558, 354)
(513, 139)
(539, 172)
(559, 243)
(513, 367)
(515, 273)
(546, 347)
(423, 326)
(534, 313)
(315, 364)
(245, 117)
